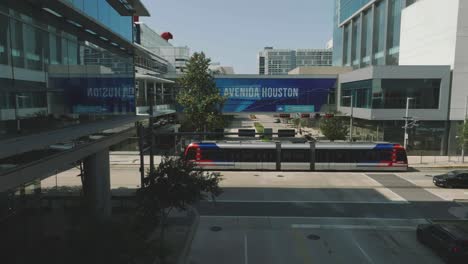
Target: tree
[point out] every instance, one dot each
(199, 96)
(175, 184)
(462, 137)
(333, 128)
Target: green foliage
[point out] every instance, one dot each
(259, 127)
(333, 128)
(199, 96)
(462, 135)
(175, 184)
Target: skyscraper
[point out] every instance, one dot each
(367, 32)
(280, 61)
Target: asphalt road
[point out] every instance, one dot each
(329, 218)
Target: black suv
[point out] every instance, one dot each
(449, 241)
(452, 179)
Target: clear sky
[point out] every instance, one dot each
(232, 32)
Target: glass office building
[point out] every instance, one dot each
(64, 62)
(367, 32)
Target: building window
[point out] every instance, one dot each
(366, 45)
(394, 22)
(379, 33)
(356, 42)
(17, 53)
(346, 45)
(361, 92)
(426, 93)
(4, 39)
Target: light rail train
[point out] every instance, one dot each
(298, 156)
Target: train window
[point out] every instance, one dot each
(341, 156)
(295, 155)
(212, 154)
(352, 155)
(191, 154)
(266, 155)
(233, 155)
(321, 155)
(249, 155)
(401, 156)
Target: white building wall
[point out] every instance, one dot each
(436, 33)
(429, 33)
(460, 71)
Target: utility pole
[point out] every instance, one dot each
(151, 126)
(350, 117)
(141, 134)
(406, 121)
(464, 127)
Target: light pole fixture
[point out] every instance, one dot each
(18, 122)
(405, 142)
(351, 116)
(464, 126)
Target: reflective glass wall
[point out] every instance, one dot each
(371, 37)
(349, 7)
(392, 93)
(337, 37)
(42, 69)
(104, 13)
(394, 23)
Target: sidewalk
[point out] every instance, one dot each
(437, 162)
(132, 158)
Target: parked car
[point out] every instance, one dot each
(448, 241)
(452, 179)
(277, 120)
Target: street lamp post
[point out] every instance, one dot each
(351, 117)
(18, 122)
(464, 126)
(405, 142)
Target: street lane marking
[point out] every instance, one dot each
(389, 194)
(319, 202)
(356, 227)
(246, 256)
(418, 220)
(363, 252)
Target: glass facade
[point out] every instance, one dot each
(379, 33)
(366, 44)
(394, 23)
(392, 93)
(347, 45)
(337, 37)
(103, 12)
(356, 43)
(376, 29)
(42, 67)
(349, 7)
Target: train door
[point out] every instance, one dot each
(269, 159)
(322, 157)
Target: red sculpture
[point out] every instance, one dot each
(167, 36)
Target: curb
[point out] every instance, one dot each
(183, 258)
(440, 167)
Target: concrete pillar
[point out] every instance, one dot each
(97, 184)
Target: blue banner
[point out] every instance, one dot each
(285, 95)
(98, 95)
